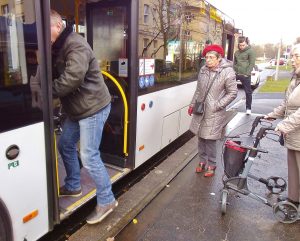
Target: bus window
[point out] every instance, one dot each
(168, 40)
(171, 39)
(18, 66)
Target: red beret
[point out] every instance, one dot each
(213, 47)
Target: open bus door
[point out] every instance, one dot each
(105, 25)
(108, 32)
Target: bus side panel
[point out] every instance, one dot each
(23, 186)
(150, 132)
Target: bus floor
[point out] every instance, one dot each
(69, 204)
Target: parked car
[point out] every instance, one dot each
(255, 78)
(273, 62)
(281, 62)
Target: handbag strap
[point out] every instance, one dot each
(210, 85)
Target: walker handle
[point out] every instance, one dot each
(261, 134)
(255, 124)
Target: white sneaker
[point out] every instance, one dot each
(248, 112)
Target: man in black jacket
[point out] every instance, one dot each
(85, 98)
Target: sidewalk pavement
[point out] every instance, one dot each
(245, 214)
(189, 208)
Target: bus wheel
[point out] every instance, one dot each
(5, 225)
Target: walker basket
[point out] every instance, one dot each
(233, 157)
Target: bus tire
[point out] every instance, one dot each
(5, 224)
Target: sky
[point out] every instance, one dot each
(264, 21)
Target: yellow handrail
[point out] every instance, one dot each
(56, 163)
(125, 151)
(77, 3)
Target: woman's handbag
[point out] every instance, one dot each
(199, 106)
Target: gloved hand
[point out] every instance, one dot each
(190, 110)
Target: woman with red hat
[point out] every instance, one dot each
(216, 89)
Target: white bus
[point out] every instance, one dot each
(149, 56)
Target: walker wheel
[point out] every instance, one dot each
(224, 201)
(276, 184)
(285, 212)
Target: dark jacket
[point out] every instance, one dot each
(77, 80)
(244, 61)
(223, 91)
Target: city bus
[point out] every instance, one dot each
(148, 52)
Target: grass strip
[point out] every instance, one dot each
(272, 86)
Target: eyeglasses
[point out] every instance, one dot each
(209, 57)
(295, 56)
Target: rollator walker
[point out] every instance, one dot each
(238, 158)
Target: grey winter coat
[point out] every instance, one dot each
(223, 91)
(290, 111)
(77, 78)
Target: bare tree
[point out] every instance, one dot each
(258, 49)
(168, 16)
(163, 23)
(270, 50)
(160, 10)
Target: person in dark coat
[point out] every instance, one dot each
(208, 127)
(85, 99)
(244, 62)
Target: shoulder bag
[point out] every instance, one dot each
(198, 108)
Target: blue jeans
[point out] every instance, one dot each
(89, 132)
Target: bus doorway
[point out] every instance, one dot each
(107, 33)
(104, 25)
